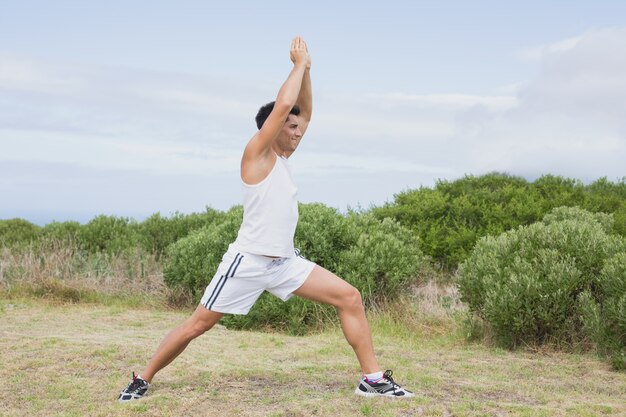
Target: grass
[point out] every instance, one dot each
(54, 271)
(73, 327)
(61, 359)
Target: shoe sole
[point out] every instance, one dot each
(129, 400)
(357, 391)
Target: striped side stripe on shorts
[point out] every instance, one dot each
(222, 280)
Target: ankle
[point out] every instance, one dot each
(374, 376)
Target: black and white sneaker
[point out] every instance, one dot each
(135, 390)
(385, 387)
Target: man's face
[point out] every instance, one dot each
(289, 136)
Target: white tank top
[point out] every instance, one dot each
(270, 213)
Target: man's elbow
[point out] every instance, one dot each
(283, 106)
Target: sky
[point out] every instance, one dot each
(130, 108)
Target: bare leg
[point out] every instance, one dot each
(177, 340)
(325, 287)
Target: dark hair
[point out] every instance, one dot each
(265, 111)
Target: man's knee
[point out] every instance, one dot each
(198, 325)
(352, 299)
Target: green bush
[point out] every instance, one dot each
(193, 260)
(609, 197)
(604, 311)
(63, 232)
(383, 260)
(158, 232)
(296, 316)
(18, 232)
(109, 234)
(526, 283)
(560, 214)
(553, 191)
(322, 234)
(450, 218)
(378, 258)
(619, 218)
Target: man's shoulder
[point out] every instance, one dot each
(254, 168)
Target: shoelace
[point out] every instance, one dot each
(387, 376)
(135, 384)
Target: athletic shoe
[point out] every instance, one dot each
(385, 387)
(135, 390)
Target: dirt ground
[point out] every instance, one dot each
(72, 360)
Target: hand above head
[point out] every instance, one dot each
(299, 53)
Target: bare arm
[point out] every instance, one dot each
(260, 144)
(305, 101)
(305, 98)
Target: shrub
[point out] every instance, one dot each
(296, 316)
(383, 260)
(560, 214)
(526, 283)
(158, 232)
(553, 191)
(322, 234)
(193, 260)
(620, 220)
(18, 232)
(450, 218)
(604, 311)
(378, 258)
(425, 212)
(609, 197)
(63, 232)
(604, 195)
(109, 234)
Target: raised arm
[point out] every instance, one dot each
(305, 98)
(260, 144)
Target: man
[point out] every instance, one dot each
(263, 258)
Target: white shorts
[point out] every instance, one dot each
(242, 277)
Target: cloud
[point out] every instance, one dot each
(111, 153)
(362, 123)
(536, 53)
(122, 119)
(120, 101)
(127, 138)
(327, 163)
(46, 191)
(453, 102)
(569, 120)
(27, 75)
(118, 118)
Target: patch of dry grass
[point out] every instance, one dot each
(72, 360)
(431, 309)
(62, 272)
